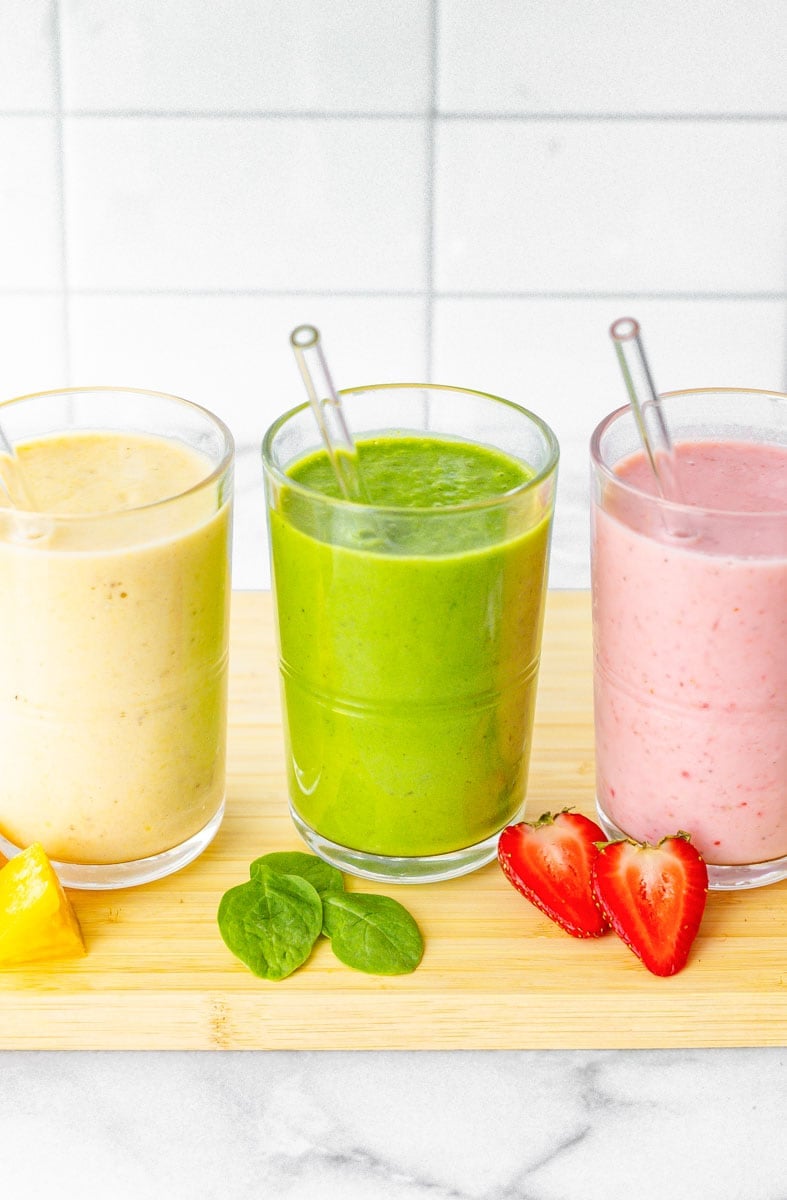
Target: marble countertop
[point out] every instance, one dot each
(460, 1125)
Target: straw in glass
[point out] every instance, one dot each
(649, 414)
(328, 412)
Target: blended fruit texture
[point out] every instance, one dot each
(691, 655)
(409, 654)
(113, 655)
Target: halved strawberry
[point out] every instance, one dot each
(653, 896)
(549, 861)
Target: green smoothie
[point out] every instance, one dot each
(409, 636)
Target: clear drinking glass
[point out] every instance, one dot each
(690, 634)
(409, 637)
(114, 603)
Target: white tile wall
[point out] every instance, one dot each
(452, 191)
(33, 354)
(577, 56)
(222, 203)
(27, 61)
(30, 234)
(246, 55)
(610, 206)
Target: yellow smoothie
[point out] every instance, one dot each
(113, 648)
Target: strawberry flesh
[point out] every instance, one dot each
(653, 897)
(549, 862)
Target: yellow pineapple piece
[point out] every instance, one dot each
(36, 917)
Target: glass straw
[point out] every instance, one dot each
(327, 408)
(646, 405)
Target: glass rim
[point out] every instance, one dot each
(501, 498)
(214, 475)
(672, 505)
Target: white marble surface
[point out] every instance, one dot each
(544, 1125)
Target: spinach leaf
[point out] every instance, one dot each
(321, 875)
(372, 933)
(271, 923)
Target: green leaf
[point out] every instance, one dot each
(321, 875)
(271, 923)
(372, 933)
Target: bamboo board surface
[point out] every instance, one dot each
(495, 974)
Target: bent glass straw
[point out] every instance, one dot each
(646, 405)
(327, 409)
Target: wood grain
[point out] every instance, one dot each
(495, 972)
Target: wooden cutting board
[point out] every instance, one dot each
(495, 974)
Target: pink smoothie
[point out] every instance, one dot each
(691, 654)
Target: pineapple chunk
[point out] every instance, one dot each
(36, 917)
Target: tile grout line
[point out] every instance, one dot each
(60, 189)
(620, 117)
(263, 114)
(433, 294)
